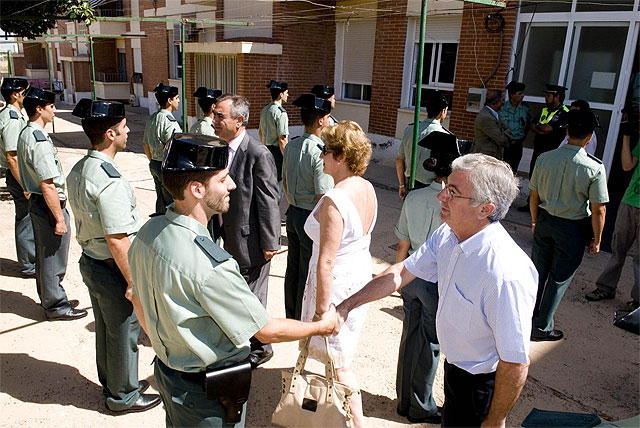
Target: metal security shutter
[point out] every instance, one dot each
(359, 40)
(441, 28)
(216, 72)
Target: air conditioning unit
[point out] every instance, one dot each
(190, 32)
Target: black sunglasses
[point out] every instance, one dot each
(324, 150)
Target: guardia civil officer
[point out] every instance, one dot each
(12, 122)
(274, 123)
(199, 311)
(304, 184)
(549, 126)
(157, 133)
(207, 102)
(41, 176)
(567, 186)
(107, 219)
(326, 93)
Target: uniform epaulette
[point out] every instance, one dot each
(155, 215)
(39, 136)
(282, 109)
(594, 158)
(110, 170)
(171, 118)
(212, 249)
(13, 114)
(297, 136)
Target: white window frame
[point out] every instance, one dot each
(435, 63)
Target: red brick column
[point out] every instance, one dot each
(487, 52)
(388, 62)
(155, 52)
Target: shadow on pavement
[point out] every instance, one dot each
(10, 268)
(381, 407)
(396, 311)
(44, 382)
(12, 302)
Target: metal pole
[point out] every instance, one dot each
(179, 20)
(184, 78)
(9, 65)
(416, 116)
(53, 124)
(93, 68)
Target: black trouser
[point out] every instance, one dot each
(163, 197)
(298, 256)
(25, 243)
(467, 397)
(513, 154)
(257, 278)
(52, 252)
(277, 157)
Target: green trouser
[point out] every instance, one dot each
(163, 197)
(25, 242)
(298, 256)
(185, 400)
(116, 329)
(558, 247)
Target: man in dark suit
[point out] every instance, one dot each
(491, 136)
(251, 227)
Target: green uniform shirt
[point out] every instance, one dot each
(102, 202)
(567, 179)
(11, 123)
(158, 132)
(427, 126)
(632, 195)
(420, 216)
(198, 308)
(515, 118)
(274, 122)
(332, 121)
(302, 168)
(204, 126)
(38, 160)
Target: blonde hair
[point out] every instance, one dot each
(348, 140)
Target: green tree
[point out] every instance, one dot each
(33, 18)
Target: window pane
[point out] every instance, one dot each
(448, 62)
(598, 62)
(426, 67)
(366, 92)
(595, 6)
(352, 91)
(604, 118)
(543, 56)
(538, 6)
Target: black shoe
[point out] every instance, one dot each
(28, 275)
(257, 359)
(524, 208)
(549, 337)
(599, 294)
(432, 419)
(143, 385)
(145, 402)
(73, 303)
(403, 413)
(70, 315)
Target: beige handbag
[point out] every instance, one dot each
(311, 400)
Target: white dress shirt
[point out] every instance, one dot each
(487, 287)
(233, 147)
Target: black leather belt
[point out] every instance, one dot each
(302, 210)
(39, 199)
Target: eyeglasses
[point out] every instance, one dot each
(450, 193)
(325, 151)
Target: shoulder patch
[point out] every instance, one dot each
(171, 118)
(110, 170)
(282, 109)
(212, 249)
(13, 114)
(594, 158)
(39, 135)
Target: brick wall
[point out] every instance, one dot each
(18, 63)
(487, 52)
(155, 53)
(388, 60)
(190, 84)
(104, 54)
(35, 55)
(82, 76)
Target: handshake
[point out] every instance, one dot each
(332, 320)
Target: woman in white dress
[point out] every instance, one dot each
(340, 227)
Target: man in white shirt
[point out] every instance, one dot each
(487, 287)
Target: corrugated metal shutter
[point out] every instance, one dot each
(441, 28)
(359, 41)
(216, 72)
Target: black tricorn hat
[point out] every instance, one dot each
(203, 92)
(14, 83)
(515, 86)
(88, 108)
(274, 84)
(581, 118)
(554, 89)
(195, 152)
(322, 91)
(312, 102)
(444, 150)
(40, 94)
(172, 91)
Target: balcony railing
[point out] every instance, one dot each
(36, 66)
(111, 77)
(109, 12)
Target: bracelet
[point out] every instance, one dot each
(533, 224)
(401, 185)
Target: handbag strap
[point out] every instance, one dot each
(330, 369)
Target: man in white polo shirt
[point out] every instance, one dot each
(487, 287)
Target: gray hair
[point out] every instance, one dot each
(493, 96)
(239, 106)
(492, 181)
